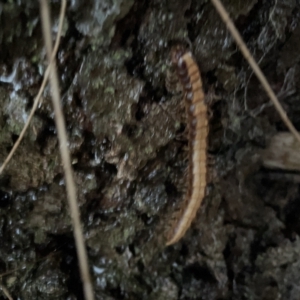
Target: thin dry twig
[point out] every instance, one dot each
(261, 77)
(6, 292)
(65, 155)
(42, 87)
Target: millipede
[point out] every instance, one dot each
(197, 124)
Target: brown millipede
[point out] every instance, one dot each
(197, 123)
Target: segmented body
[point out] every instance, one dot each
(197, 122)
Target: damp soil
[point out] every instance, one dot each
(128, 146)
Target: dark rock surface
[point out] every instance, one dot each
(128, 152)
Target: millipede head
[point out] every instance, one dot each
(176, 53)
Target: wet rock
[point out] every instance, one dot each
(128, 150)
(289, 54)
(47, 283)
(49, 213)
(97, 18)
(280, 265)
(31, 170)
(163, 23)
